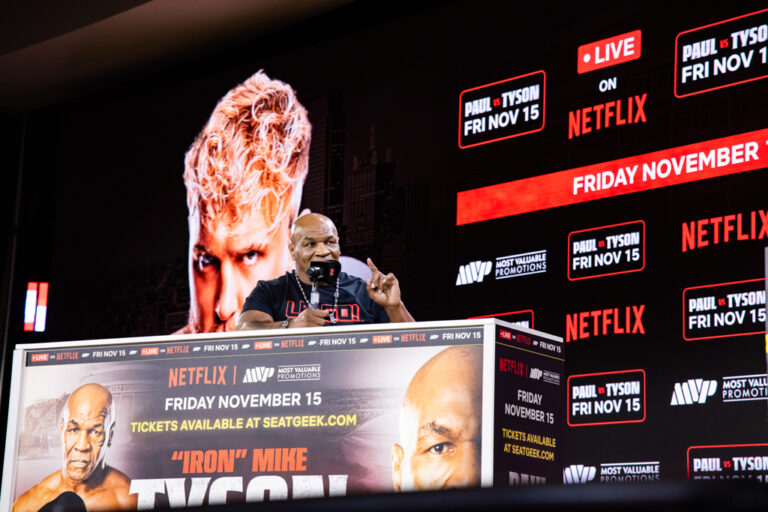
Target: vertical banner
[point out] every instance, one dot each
(528, 407)
(765, 308)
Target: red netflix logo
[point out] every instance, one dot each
(604, 322)
(609, 52)
(725, 229)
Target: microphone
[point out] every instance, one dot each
(322, 271)
(65, 502)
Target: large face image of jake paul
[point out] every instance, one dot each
(244, 175)
(440, 421)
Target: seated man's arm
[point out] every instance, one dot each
(399, 314)
(257, 310)
(253, 319)
(384, 290)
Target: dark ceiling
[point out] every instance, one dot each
(52, 51)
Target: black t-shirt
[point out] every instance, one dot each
(281, 299)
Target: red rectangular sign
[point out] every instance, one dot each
(523, 317)
(721, 54)
(624, 240)
(721, 461)
(609, 52)
(596, 387)
(675, 166)
(502, 110)
(724, 310)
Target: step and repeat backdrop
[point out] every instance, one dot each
(644, 250)
(596, 172)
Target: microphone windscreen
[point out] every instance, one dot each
(335, 267)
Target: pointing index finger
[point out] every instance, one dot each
(372, 266)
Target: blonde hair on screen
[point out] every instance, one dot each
(251, 157)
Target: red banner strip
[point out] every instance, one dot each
(675, 166)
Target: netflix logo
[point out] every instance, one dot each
(725, 229)
(630, 110)
(518, 368)
(609, 52)
(604, 322)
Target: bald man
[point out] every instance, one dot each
(87, 427)
(440, 424)
(285, 301)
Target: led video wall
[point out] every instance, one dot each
(593, 172)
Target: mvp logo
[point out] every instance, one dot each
(473, 272)
(694, 391)
(258, 374)
(579, 474)
(536, 374)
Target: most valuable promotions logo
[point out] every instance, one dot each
(612, 472)
(512, 265)
(579, 474)
(258, 374)
(693, 391)
(473, 272)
